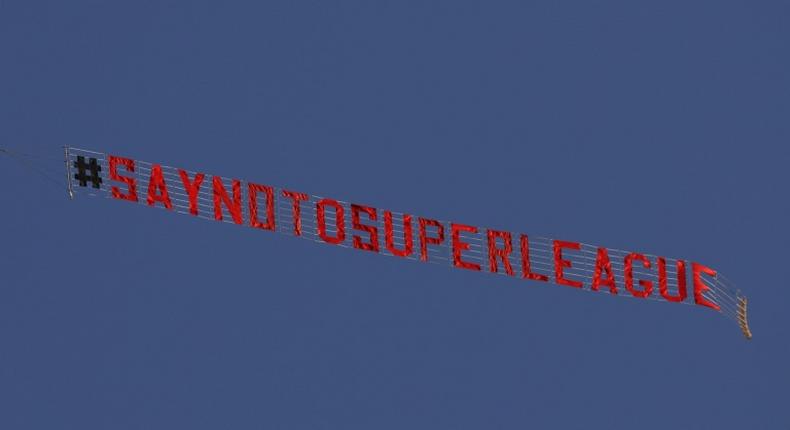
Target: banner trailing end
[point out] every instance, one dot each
(743, 321)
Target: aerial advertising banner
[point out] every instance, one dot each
(259, 205)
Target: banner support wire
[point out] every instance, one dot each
(69, 187)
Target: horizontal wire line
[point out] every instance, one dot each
(719, 294)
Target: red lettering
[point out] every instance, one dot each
(647, 286)
(425, 240)
(662, 280)
(373, 231)
(602, 264)
(131, 183)
(221, 197)
(699, 285)
(157, 183)
(459, 246)
(192, 189)
(339, 221)
(253, 190)
(560, 265)
(526, 266)
(408, 241)
(296, 210)
(502, 253)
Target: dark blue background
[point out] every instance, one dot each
(659, 128)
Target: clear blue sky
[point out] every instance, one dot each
(660, 128)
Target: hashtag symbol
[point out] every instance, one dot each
(82, 172)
